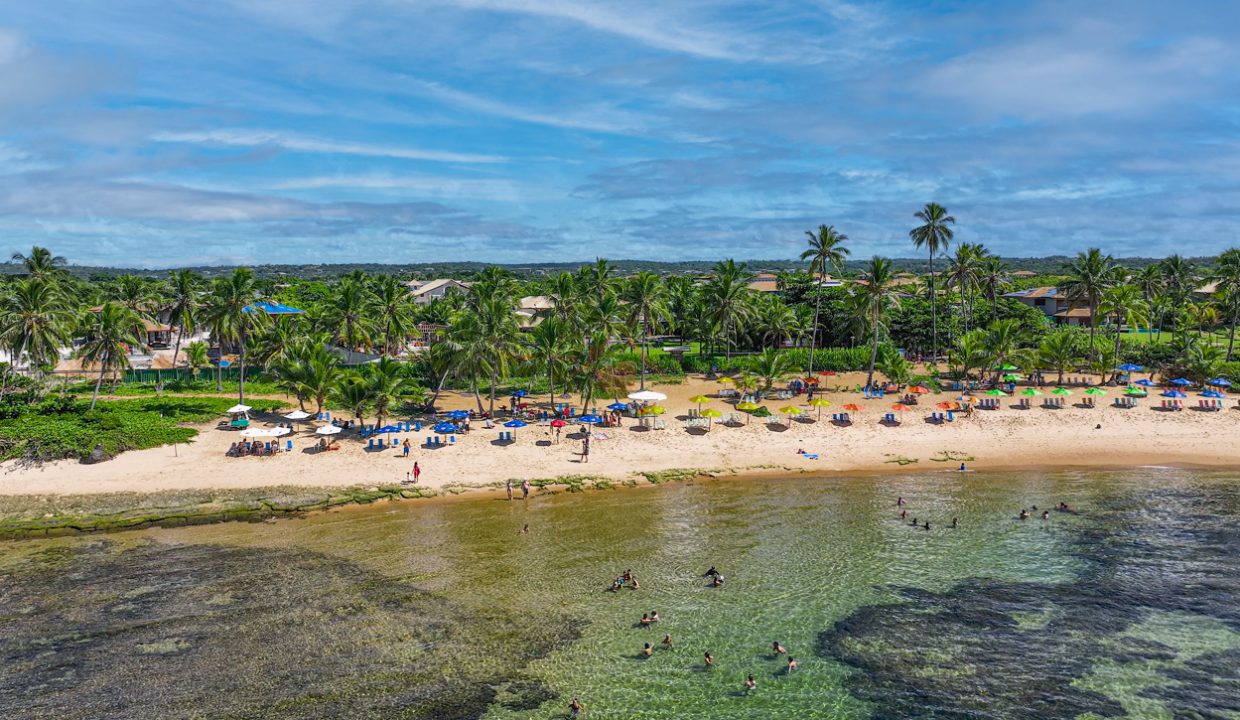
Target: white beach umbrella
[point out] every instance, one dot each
(264, 432)
(237, 409)
(297, 415)
(647, 396)
(327, 430)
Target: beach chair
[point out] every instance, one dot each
(845, 419)
(290, 446)
(950, 416)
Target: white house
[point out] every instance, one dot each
(424, 291)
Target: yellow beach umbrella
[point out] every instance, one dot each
(747, 407)
(654, 410)
(724, 379)
(820, 403)
(712, 414)
(700, 400)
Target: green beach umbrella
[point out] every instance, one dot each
(1135, 391)
(1095, 391)
(1061, 391)
(1031, 392)
(1011, 377)
(1005, 367)
(995, 393)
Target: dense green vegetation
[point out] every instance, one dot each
(597, 332)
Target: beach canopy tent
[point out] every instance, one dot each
(1219, 382)
(647, 396)
(1213, 394)
(446, 428)
(1061, 391)
(618, 406)
(1095, 391)
(327, 430)
(1174, 394)
(589, 419)
(1131, 368)
(238, 409)
(265, 432)
(271, 308)
(457, 414)
(1182, 382)
(1143, 382)
(297, 415)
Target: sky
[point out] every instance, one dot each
(161, 133)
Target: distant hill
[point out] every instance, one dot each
(1051, 265)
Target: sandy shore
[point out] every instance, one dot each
(1003, 439)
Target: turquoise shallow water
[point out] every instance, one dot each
(445, 610)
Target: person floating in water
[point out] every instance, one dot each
(1024, 514)
(710, 660)
(525, 529)
(955, 523)
(647, 650)
(777, 648)
(900, 502)
(575, 708)
(654, 616)
(711, 572)
(914, 523)
(750, 684)
(717, 580)
(926, 526)
(667, 641)
(645, 621)
(792, 665)
(1046, 514)
(904, 514)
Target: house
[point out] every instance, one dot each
(1024, 274)
(1054, 304)
(764, 283)
(424, 291)
(155, 334)
(533, 309)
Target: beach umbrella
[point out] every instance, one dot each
(790, 410)
(647, 395)
(820, 403)
(1135, 391)
(1212, 394)
(1005, 367)
(327, 430)
(515, 424)
(446, 428)
(1095, 391)
(1011, 377)
(1182, 382)
(948, 405)
(519, 393)
(238, 409)
(919, 390)
(722, 379)
(747, 407)
(558, 423)
(1131, 368)
(1144, 382)
(853, 407)
(387, 429)
(589, 419)
(901, 407)
(618, 406)
(1220, 382)
(457, 414)
(654, 410)
(1031, 392)
(264, 432)
(1174, 394)
(700, 400)
(1061, 391)
(995, 393)
(297, 415)
(826, 373)
(712, 414)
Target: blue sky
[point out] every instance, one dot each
(171, 132)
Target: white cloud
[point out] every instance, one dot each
(296, 143)
(443, 187)
(598, 119)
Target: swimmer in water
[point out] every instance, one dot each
(645, 619)
(667, 641)
(711, 572)
(899, 502)
(654, 616)
(575, 707)
(903, 514)
(717, 581)
(926, 526)
(525, 530)
(1046, 514)
(955, 523)
(1024, 514)
(792, 664)
(750, 684)
(710, 660)
(914, 523)
(647, 650)
(777, 648)
(962, 468)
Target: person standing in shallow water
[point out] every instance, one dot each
(525, 489)
(508, 488)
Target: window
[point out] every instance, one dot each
(1039, 302)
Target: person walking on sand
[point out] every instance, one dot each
(585, 450)
(417, 472)
(508, 488)
(406, 446)
(525, 489)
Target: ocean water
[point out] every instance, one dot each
(1127, 607)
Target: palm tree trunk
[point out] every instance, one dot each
(813, 332)
(103, 365)
(176, 349)
(1231, 338)
(934, 314)
(869, 373)
(438, 389)
(645, 338)
(241, 375)
(494, 382)
(551, 381)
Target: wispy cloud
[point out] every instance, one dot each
(295, 143)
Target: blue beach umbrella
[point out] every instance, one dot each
(388, 429)
(1143, 382)
(618, 406)
(589, 419)
(1220, 382)
(446, 428)
(1212, 394)
(1181, 382)
(1131, 368)
(515, 424)
(1174, 394)
(519, 393)
(457, 414)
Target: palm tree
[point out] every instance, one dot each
(968, 354)
(396, 311)
(872, 298)
(184, 288)
(548, 347)
(964, 272)
(353, 392)
(1060, 350)
(34, 322)
(388, 380)
(41, 264)
(1149, 280)
(601, 369)
(1124, 305)
(196, 357)
(1001, 340)
(771, 366)
(349, 313)
(826, 250)
(1179, 282)
(1089, 275)
(1226, 277)
(136, 293)
(310, 371)
(727, 294)
(934, 235)
(646, 296)
(107, 336)
(992, 275)
(231, 316)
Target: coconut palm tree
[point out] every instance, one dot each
(1088, 276)
(548, 346)
(388, 380)
(41, 264)
(646, 296)
(1226, 276)
(1123, 305)
(396, 311)
(964, 271)
(353, 392)
(600, 369)
(107, 337)
(726, 295)
(1149, 280)
(230, 314)
(1060, 350)
(184, 292)
(34, 322)
(350, 313)
(771, 366)
(872, 298)
(136, 293)
(1001, 341)
(826, 251)
(1179, 280)
(196, 357)
(934, 234)
(992, 276)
